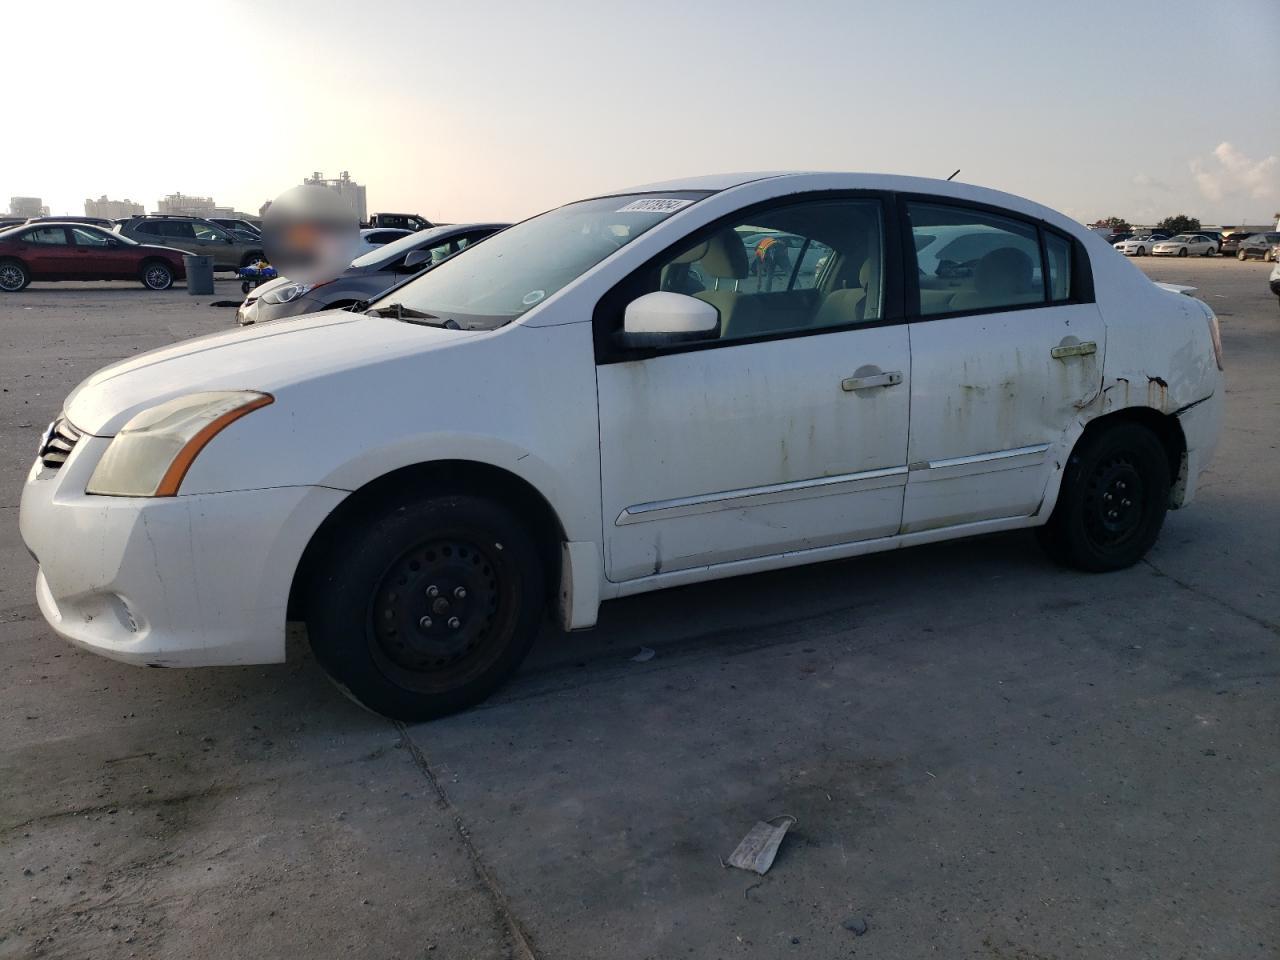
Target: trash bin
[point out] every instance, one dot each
(199, 275)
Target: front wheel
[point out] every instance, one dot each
(1114, 495)
(426, 608)
(1142, 251)
(157, 276)
(13, 276)
(1182, 251)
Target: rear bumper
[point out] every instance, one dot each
(181, 581)
(1201, 427)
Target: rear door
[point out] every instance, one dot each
(1006, 346)
(48, 253)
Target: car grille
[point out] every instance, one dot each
(57, 443)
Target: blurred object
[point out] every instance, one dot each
(310, 233)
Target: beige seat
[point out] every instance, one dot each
(848, 304)
(1002, 278)
(723, 260)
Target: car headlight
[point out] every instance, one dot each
(287, 293)
(154, 450)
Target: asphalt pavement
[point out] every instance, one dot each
(986, 756)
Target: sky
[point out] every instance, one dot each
(489, 110)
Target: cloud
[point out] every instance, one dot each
(1149, 182)
(1231, 173)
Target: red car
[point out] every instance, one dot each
(81, 251)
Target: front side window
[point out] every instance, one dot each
(973, 260)
(515, 270)
(88, 238)
(207, 231)
(784, 269)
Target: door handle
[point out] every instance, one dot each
(890, 379)
(1064, 350)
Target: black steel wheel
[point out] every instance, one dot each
(1113, 499)
(423, 609)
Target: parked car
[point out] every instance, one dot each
(1231, 243)
(404, 221)
(368, 275)
(81, 251)
(238, 223)
(1258, 246)
(538, 423)
(1140, 246)
(193, 235)
(1183, 245)
(6, 222)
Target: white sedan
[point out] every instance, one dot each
(1138, 246)
(598, 402)
(1185, 244)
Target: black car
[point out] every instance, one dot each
(369, 275)
(1258, 246)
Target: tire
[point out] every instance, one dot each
(1240, 255)
(156, 275)
(14, 276)
(1209, 252)
(1113, 499)
(1142, 251)
(1182, 251)
(424, 609)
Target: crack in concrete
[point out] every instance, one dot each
(1226, 605)
(516, 930)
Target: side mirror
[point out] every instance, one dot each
(659, 319)
(417, 259)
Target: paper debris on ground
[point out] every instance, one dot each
(759, 847)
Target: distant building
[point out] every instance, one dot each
(183, 205)
(347, 188)
(28, 207)
(112, 209)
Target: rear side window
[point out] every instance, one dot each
(1058, 253)
(178, 229)
(47, 237)
(973, 260)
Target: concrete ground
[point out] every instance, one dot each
(986, 756)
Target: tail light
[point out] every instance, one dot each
(1215, 334)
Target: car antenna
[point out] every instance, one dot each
(953, 176)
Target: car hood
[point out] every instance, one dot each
(266, 358)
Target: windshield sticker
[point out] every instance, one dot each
(655, 205)
(532, 297)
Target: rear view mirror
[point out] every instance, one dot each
(658, 319)
(417, 259)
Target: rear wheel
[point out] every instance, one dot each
(156, 275)
(426, 608)
(13, 276)
(1114, 496)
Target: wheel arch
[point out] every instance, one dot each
(431, 478)
(1167, 430)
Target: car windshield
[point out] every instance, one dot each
(515, 270)
(398, 248)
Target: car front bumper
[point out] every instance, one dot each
(195, 580)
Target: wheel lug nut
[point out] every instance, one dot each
(425, 623)
(454, 623)
(433, 591)
(460, 593)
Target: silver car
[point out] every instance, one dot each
(368, 276)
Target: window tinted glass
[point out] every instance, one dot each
(178, 229)
(88, 238)
(47, 236)
(207, 231)
(973, 260)
(795, 267)
(150, 228)
(1059, 253)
